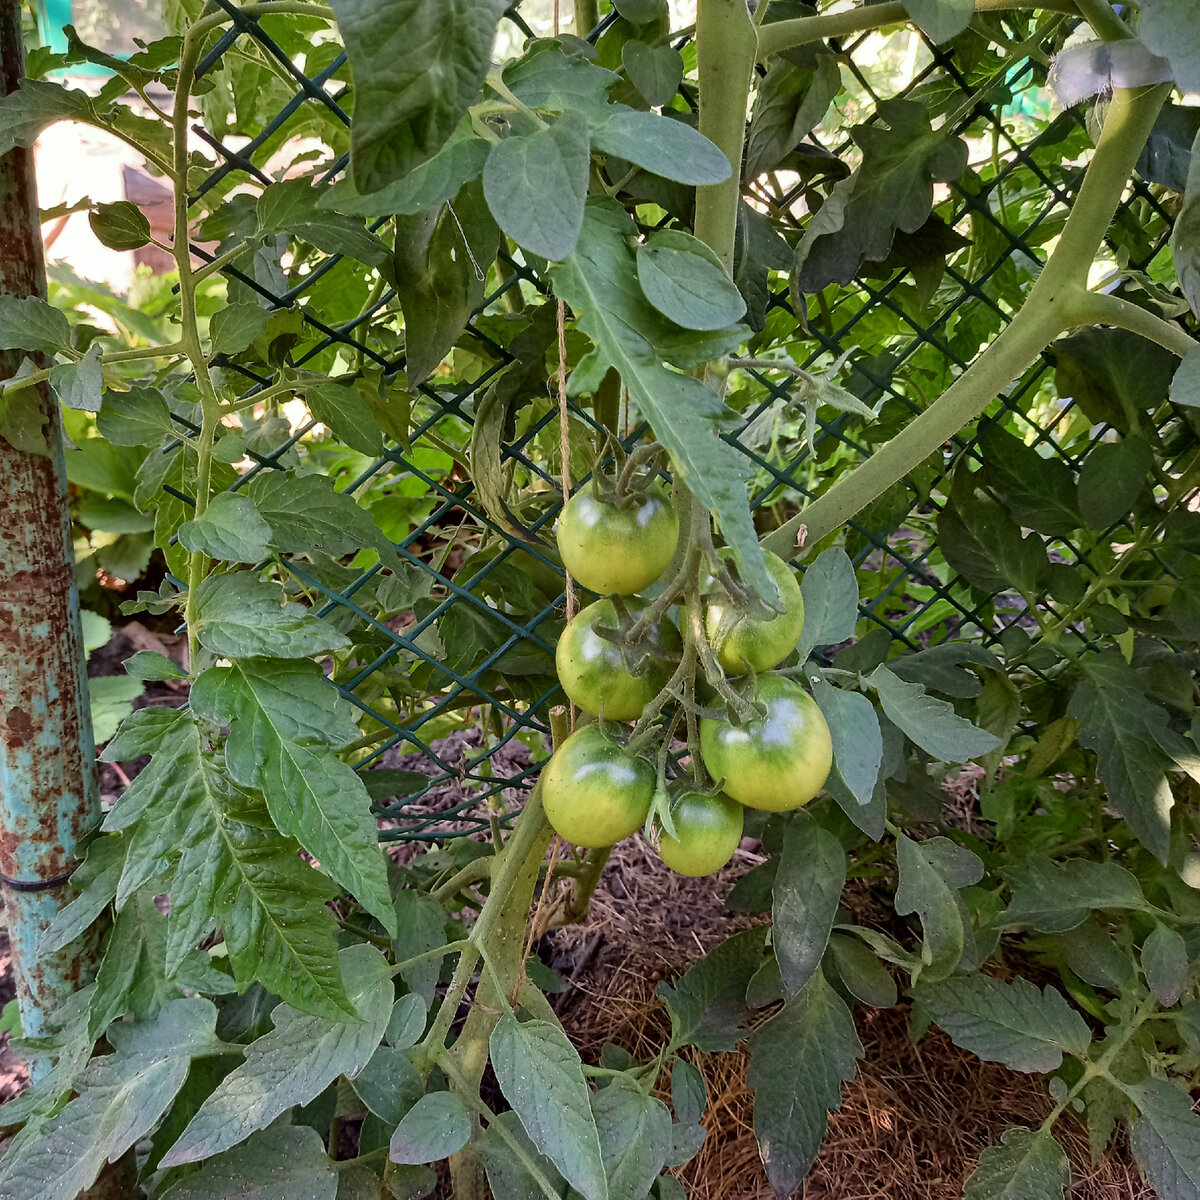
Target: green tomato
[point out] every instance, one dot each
(593, 673)
(607, 548)
(776, 762)
(593, 792)
(742, 640)
(709, 829)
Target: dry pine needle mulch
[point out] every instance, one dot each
(911, 1126)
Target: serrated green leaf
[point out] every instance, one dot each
(892, 190)
(790, 102)
(635, 1138)
(708, 1002)
(536, 185)
(389, 1085)
(798, 1062)
(540, 1074)
(861, 972)
(110, 699)
(237, 326)
(437, 1126)
(1166, 1138)
(120, 226)
(931, 723)
(79, 384)
(231, 529)
(1120, 724)
(97, 878)
(1014, 1023)
(291, 207)
(138, 417)
(506, 1173)
(148, 665)
(287, 1162)
(29, 323)
(121, 1097)
(1038, 491)
(285, 721)
(36, 104)
(1165, 964)
(597, 281)
(417, 65)
(306, 513)
(830, 590)
(293, 1063)
(689, 1095)
(807, 892)
(1025, 1166)
(1113, 476)
(686, 282)
(347, 414)
(240, 615)
(1055, 897)
(186, 818)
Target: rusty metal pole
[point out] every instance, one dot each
(48, 793)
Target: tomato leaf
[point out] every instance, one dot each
(286, 1162)
(931, 723)
(1168, 27)
(790, 102)
(660, 145)
(231, 529)
(798, 1062)
(285, 723)
(857, 740)
(708, 1003)
(240, 615)
(36, 104)
(1119, 723)
(807, 891)
(1055, 897)
(941, 19)
(536, 185)
(437, 1126)
(29, 323)
(540, 1074)
(1165, 964)
(686, 282)
(892, 189)
(293, 1063)
(1165, 1138)
(346, 412)
(1185, 237)
(1114, 476)
(931, 872)
(830, 590)
(120, 226)
(306, 513)
(635, 1138)
(121, 1097)
(656, 71)
(417, 65)
(1013, 1023)
(1025, 1166)
(79, 384)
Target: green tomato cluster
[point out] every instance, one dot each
(594, 790)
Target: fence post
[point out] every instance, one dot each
(48, 794)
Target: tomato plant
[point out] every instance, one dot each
(955, 386)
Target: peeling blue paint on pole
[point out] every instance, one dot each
(48, 795)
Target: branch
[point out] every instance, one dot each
(785, 35)
(1097, 309)
(1057, 301)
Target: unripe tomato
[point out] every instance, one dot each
(593, 792)
(741, 639)
(776, 762)
(593, 672)
(609, 549)
(709, 829)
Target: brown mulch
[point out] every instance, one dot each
(911, 1126)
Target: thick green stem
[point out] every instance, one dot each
(583, 888)
(1104, 22)
(586, 17)
(801, 31)
(1057, 302)
(726, 48)
(1112, 310)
